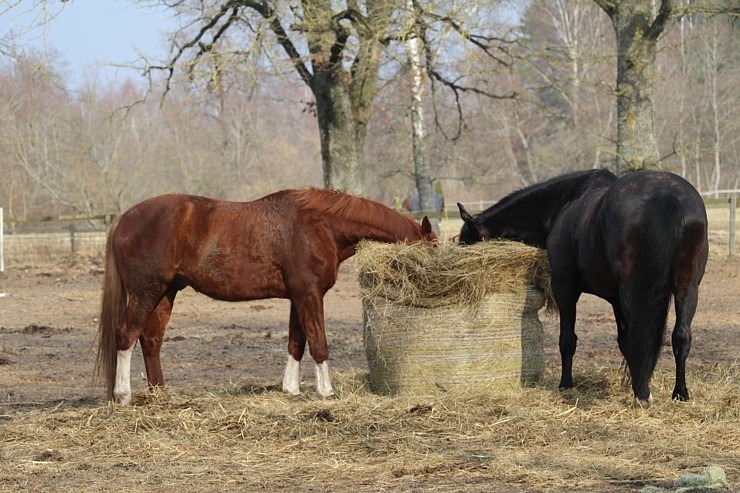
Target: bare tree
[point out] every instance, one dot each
(334, 49)
(337, 50)
(36, 15)
(638, 24)
(560, 119)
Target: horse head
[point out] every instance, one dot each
(472, 231)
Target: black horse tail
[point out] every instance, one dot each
(652, 285)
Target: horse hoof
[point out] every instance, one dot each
(122, 399)
(678, 396)
(643, 403)
(292, 391)
(327, 394)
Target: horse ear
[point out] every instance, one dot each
(464, 215)
(475, 232)
(426, 228)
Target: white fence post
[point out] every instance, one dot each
(733, 207)
(2, 245)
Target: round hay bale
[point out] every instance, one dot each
(442, 316)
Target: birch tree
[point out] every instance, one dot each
(415, 46)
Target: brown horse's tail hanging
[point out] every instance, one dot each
(112, 306)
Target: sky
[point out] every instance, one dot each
(93, 35)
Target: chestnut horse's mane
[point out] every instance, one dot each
(336, 203)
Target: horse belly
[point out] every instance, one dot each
(597, 278)
(238, 284)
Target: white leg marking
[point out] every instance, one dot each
(323, 381)
(291, 378)
(122, 387)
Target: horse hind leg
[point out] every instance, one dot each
(127, 333)
(681, 338)
(152, 337)
(137, 324)
(690, 270)
(296, 348)
(636, 355)
(122, 384)
(635, 351)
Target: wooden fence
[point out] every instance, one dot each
(61, 240)
(71, 239)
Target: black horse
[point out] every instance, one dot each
(632, 241)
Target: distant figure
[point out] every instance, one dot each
(413, 204)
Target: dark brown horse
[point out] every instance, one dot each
(633, 241)
(286, 245)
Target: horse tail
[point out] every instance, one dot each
(112, 307)
(652, 285)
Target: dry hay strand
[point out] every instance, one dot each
(465, 440)
(445, 316)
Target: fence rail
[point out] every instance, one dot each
(41, 244)
(51, 240)
(2, 246)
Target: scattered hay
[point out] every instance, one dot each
(445, 316)
(587, 439)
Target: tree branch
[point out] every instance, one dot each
(607, 6)
(196, 40)
(485, 43)
(457, 90)
(283, 39)
(658, 25)
(234, 9)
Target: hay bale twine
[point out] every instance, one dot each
(447, 316)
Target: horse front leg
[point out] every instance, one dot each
(296, 348)
(566, 300)
(622, 333)
(567, 343)
(681, 338)
(310, 311)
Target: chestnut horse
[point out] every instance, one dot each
(286, 245)
(633, 241)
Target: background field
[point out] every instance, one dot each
(223, 423)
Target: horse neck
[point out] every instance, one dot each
(384, 227)
(533, 209)
(354, 218)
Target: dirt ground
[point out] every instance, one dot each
(48, 321)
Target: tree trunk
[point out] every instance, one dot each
(422, 171)
(637, 29)
(344, 92)
(342, 142)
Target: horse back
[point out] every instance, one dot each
(597, 238)
(655, 218)
(226, 250)
(575, 244)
